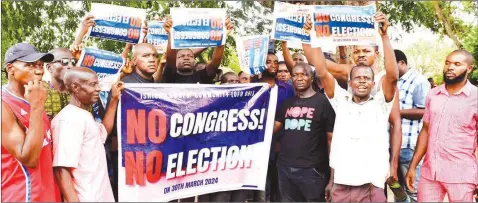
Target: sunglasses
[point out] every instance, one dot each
(65, 61)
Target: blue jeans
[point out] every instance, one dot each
(406, 155)
(301, 184)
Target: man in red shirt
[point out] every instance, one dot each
(448, 139)
(27, 170)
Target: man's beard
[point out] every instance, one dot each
(266, 73)
(455, 80)
(184, 70)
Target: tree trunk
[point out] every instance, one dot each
(449, 31)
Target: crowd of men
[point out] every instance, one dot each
(367, 127)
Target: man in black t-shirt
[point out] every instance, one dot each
(145, 64)
(307, 121)
(181, 64)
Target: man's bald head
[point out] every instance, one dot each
(145, 60)
(298, 58)
(142, 47)
(60, 53)
(467, 55)
(83, 85)
(78, 75)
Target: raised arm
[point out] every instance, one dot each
(171, 56)
(343, 55)
(317, 59)
(88, 21)
(215, 62)
(158, 75)
(216, 59)
(339, 71)
(25, 147)
(289, 61)
(109, 119)
(389, 84)
(126, 50)
(198, 51)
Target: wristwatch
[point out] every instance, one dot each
(343, 57)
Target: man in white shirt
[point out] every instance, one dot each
(79, 155)
(360, 126)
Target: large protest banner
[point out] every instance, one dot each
(198, 27)
(252, 53)
(288, 22)
(343, 25)
(178, 141)
(117, 23)
(107, 66)
(157, 36)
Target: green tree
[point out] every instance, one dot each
(471, 44)
(428, 58)
(441, 17)
(44, 24)
(50, 24)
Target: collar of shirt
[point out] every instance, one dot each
(407, 75)
(137, 78)
(281, 84)
(465, 89)
(350, 97)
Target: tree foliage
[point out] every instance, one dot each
(427, 57)
(50, 24)
(425, 13)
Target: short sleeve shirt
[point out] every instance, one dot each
(360, 145)
(306, 122)
(78, 145)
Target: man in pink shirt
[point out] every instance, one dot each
(79, 155)
(448, 139)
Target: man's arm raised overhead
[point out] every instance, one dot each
(218, 53)
(389, 84)
(317, 59)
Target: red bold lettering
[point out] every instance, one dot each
(135, 126)
(156, 122)
(134, 167)
(322, 30)
(153, 166)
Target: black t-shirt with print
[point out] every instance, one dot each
(306, 122)
(170, 75)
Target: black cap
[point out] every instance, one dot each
(26, 53)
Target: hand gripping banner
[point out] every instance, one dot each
(178, 141)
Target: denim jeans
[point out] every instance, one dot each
(301, 184)
(406, 155)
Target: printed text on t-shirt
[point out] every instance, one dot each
(299, 118)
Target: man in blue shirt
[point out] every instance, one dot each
(413, 88)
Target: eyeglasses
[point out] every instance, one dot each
(65, 61)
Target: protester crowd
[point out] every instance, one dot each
(366, 128)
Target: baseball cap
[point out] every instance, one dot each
(27, 53)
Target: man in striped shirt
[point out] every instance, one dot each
(448, 139)
(413, 88)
